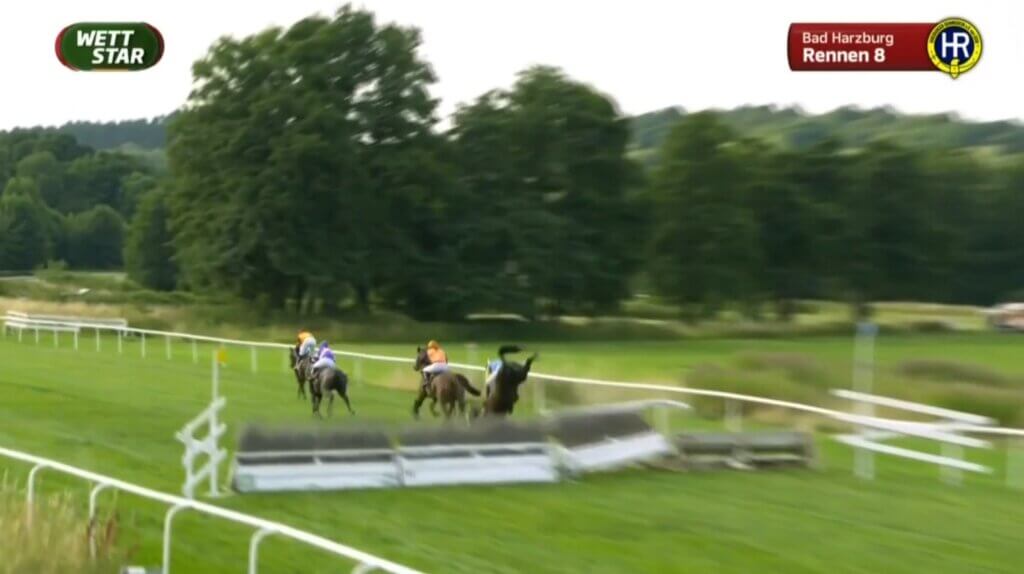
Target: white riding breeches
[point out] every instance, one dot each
(435, 368)
(308, 346)
(324, 362)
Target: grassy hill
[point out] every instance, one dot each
(851, 126)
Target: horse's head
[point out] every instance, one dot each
(422, 359)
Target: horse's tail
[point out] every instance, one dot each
(465, 384)
(507, 350)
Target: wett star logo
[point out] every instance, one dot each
(99, 46)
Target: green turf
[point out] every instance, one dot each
(116, 414)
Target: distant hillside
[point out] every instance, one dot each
(793, 128)
(146, 134)
(787, 127)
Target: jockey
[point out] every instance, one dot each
(306, 344)
(492, 369)
(438, 361)
(324, 358)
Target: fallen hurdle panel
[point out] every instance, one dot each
(608, 440)
(746, 450)
(276, 461)
(486, 453)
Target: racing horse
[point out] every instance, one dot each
(448, 388)
(502, 392)
(326, 381)
(300, 376)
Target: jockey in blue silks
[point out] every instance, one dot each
(324, 358)
(493, 368)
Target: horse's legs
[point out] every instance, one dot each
(433, 400)
(316, 405)
(418, 403)
(330, 403)
(344, 397)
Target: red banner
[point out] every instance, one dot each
(847, 47)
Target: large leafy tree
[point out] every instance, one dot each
(294, 149)
(95, 238)
(705, 236)
(549, 191)
(148, 252)
(24, 238)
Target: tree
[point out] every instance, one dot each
(96, 179)
(292, 152)
(24, 187)
(786, 230)
(148, 252)
(95, 238)
(134, 187)
(48, 174)
(546, 179)
(24, 243)
(704, 248)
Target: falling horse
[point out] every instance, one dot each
(326, 381)
(503, 390)
(448, 388)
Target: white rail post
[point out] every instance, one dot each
(56, 343)
(254, 546)
(213, 420)
(863, 381)
(120, 342)
(76, 338)
(97, 332)
(166, 568)
(663, 422)
(733, 415)
(37, 335)
(167, 347)
(1015, 463)
(195, 352)
(143, 345)
(93, 494)
(952, 475)
(253, 360)
(30, 496)
(538, 396)
(363, 569)
(22, 330)
(357, 371)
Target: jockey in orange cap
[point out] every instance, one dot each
(306, 344)
(438, 361)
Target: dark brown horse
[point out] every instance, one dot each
(326, 381)
(503, 391)
(300, 376)
(448, 388)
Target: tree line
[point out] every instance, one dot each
(63, 201)
(309, 167)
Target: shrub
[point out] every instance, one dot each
(798, 367)
(56, 542)
(951, 371)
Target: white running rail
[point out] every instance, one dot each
(733, 399)
(945, 431)
(364, 562)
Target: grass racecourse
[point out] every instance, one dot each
(117, 413)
